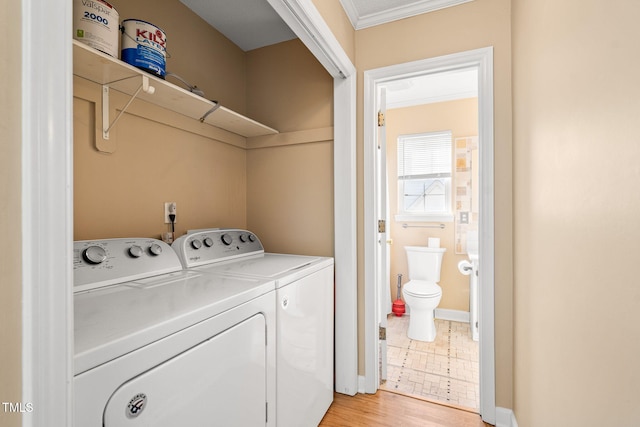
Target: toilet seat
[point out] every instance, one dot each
(422, 289)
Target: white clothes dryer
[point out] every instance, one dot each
(159, 346)
(304, 314)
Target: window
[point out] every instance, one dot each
(424, 177)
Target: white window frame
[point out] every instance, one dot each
(445, 216)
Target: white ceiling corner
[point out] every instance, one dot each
(368, 13)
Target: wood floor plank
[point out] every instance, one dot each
(386, 409)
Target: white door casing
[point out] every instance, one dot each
(483, 60)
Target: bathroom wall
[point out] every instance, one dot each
(461, 117)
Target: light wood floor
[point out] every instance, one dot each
(395, 410)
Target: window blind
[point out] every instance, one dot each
(424, 156)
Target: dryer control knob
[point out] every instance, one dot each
(226, 239)
(135, 251)
(196, 244)
(155, 249)
(243, 238)
(208, 242)
(252, 238)
(94, 255)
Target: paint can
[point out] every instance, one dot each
(97, 24)
(144, 46)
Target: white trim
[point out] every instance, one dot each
(395, 14)
(423, 218)
(47, 208)
(345, 224)
(305, 20)
(483, 60)
(505, 418)
(361, 384)
(486, 272)
(452, 315)
(307, 23)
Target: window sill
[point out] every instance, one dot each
(424, 218)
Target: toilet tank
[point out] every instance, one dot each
(424, 262)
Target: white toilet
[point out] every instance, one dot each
(422, 293)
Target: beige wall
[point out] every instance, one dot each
(197, 52)
(461, 117)
(473, 25)
(290, 175)
(10, 213)
(215, 181)
(288, 89)
(576, 176)
(161, 156)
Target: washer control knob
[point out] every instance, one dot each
(226, 239)
(94, 255)
(252, 238)
(135, 251)
(243, 238)
(155, 249)
(196, 244)
(208, 242)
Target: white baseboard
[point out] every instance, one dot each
(505, 418)
(452, 315)
(361, 384)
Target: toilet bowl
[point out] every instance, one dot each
(422, 293)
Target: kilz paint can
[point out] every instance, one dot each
(144, 46)
(97, 24)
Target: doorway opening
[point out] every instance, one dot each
(456, 213)
(432, 174)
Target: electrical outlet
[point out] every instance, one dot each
(169, 208)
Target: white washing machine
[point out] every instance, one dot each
(304, 314)
(159, 346)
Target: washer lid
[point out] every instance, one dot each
(283, 268)
(422, 288)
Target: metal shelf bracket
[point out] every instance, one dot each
(106, 126)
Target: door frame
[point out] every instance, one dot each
(307, 23)
(483, 60)
(47, 212)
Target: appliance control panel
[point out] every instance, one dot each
(209, 246)
(98, 263)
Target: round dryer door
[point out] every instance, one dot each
(221, 381)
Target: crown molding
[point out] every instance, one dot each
(394, 14)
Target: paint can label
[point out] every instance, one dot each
(96, 23)
(144, 46)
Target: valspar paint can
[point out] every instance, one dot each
(144, 46)
(97, 24)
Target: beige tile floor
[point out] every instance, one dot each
(444, 370)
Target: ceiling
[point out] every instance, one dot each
(252, 24)
(430, 88)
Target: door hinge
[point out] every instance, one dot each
(382, 226)
(382, 333)
(380, 118)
